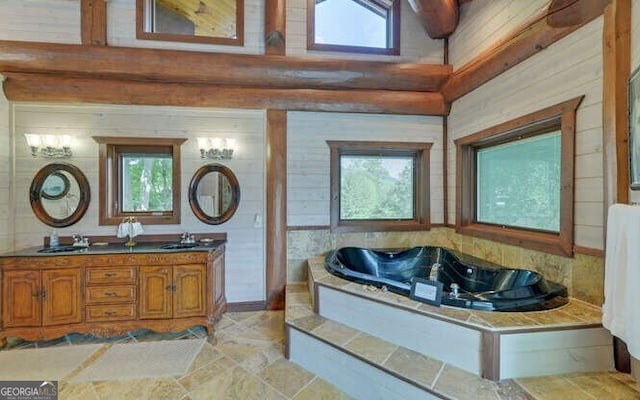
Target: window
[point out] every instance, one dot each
(515, 181)
(379, 186)
(202, 21)
(141, 181)
(357, 26)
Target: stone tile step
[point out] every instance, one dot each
(428, 376)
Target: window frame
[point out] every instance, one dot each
(143, 18)
(562, 117)
(420, 151)
(110, 212)
(393, 34)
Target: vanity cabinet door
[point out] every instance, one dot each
(61, 297)
(155, 292)
(189, 298)
(21, 303)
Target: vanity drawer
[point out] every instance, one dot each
(110, 275)
(110, 294)
(110, 312)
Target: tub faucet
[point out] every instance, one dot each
(454, 290)
(433, 272)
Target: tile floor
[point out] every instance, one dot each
(242, 361)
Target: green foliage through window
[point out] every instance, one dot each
(147, 183)
(518, 183)
(376, 188)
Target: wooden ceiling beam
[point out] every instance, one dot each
(438, 17)
(50, 88)
(574, 12)
(528, 40)
(258, 71)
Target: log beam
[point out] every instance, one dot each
(276, 220)
(574, 12)
(527, 41)
(93, 22)
(275, 30)
(48, 88)
(217, 68)
(615, 105)
(438, 17)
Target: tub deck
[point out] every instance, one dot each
(491, 345)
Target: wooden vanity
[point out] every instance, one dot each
(110, 291)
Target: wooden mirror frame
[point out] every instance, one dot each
(193, 194)
(35, 194)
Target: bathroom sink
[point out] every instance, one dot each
(58, 249)
(173, 246)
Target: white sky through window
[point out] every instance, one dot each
(348, 23)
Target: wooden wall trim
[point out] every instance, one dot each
(574, 12)
(615, 105)
(531, 38)
(93, 22)
(275, 27)
(276, 219)
(48, 88)
(154, 65)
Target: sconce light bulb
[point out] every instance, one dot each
(203, 143)
(32, 140)
(50, 141)
(65, 140)
(217, 143)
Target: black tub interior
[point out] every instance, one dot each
(481, 285)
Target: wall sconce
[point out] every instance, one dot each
(51, 146)
(216, 148)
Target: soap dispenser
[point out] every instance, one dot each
(53, 239)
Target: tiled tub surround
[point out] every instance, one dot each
(583, 275)
(371, 368)
(490, 344)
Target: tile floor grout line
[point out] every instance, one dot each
(435, 379)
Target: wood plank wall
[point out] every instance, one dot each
(245, 250)
(308, 156)
(41, 20)
(567, 69)
(483, 24)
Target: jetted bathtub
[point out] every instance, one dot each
(480, 285)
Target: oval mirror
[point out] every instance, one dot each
(214, 194)
(59, 194)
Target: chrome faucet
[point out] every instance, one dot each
(80, 241)
(433, 272)
(455, 290)
(186, 237)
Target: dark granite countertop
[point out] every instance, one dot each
(113, 248)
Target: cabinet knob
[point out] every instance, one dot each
(110, 294)
(109, 313)
(109, 274)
